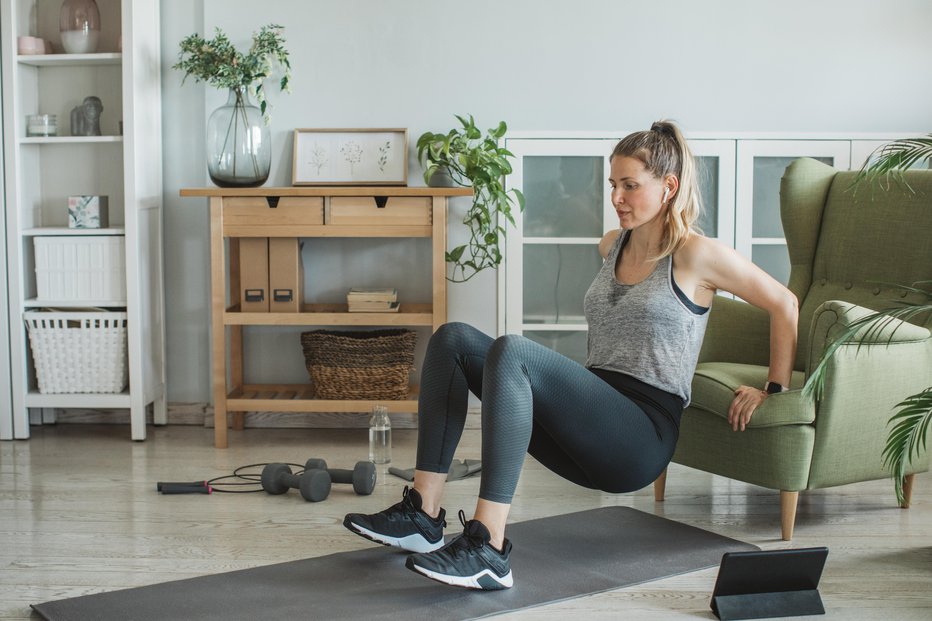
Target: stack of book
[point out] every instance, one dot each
(372, 300)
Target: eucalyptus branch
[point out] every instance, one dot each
(218, 63)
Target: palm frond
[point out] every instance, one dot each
(907, 437)
(889, 161)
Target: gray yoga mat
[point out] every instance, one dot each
(554, 558)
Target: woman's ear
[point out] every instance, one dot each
(672, 184)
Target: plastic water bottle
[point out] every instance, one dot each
(380, 436)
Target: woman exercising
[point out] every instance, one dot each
(610, 425)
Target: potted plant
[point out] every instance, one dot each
(238, 139)
(909, 425)
(472, 159)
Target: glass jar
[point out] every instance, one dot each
(79, 22)
(41, 125)
(239, 143)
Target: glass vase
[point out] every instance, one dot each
(79, 23)
(239, 143)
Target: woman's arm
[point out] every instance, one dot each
(723, 269)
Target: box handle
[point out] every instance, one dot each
(283, 295)
(255, 295)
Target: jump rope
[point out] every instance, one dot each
(220, 484)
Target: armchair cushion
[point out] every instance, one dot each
(714, 387)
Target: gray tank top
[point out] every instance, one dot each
(644, 330)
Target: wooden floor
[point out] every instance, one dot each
(79, 514)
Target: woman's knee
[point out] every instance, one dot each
(509, 346)
(451, 335)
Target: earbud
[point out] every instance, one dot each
(666, 193)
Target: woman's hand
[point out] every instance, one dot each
(746, 400)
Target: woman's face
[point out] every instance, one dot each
(636, 194)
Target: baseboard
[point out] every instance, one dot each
(203, 414)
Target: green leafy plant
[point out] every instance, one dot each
(218, 63)
(910, 423)
(474, 160)
(889, 161)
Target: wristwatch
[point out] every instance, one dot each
(773, 387)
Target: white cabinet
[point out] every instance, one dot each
(760, 166)
(551, 256)
(124, 163)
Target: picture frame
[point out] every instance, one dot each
(346, 156)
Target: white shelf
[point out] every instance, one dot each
(78, 400)
(70, 60)
(36, 303)
(69, 139)
(63, 231)
(39, 171)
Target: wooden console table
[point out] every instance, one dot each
(308, 212)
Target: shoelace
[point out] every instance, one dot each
(407, 507)
(468, 540)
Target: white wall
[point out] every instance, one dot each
(716, 65)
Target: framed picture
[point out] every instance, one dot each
(350, 157)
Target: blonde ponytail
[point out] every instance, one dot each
(663, 151)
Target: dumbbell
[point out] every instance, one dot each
(314, 483)
(362, 476)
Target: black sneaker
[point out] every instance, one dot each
(467, 561)
(403, 525)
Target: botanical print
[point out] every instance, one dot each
(350, 156)
(318, 157)
(384, 154)
(352, 153)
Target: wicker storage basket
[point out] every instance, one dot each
(359, 365)
(78, 352)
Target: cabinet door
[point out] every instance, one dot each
(715, 161)
(758, 229)
(552, 254)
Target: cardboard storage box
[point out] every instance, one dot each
(286, 275)
(254, 274)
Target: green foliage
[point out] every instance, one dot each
(907, 437)
(218, 63)
(477, 161)
(887, 163)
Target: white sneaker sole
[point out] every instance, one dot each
(469, 582)
(412, 543)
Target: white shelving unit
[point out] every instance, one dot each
(123, 164)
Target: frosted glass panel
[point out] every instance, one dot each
(766, 208)
(707, 167)
(564, 196)
(556, 277)
(773, 259)
(573, 344)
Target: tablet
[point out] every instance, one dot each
(757, 585)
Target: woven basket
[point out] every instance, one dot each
(79, 352)
(359, 365)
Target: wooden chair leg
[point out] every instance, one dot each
(788, 502)
(907, 490)
(239, 421)
(660, 486)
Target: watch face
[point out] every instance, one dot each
(773, 387)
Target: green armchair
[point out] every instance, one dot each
(846, 251)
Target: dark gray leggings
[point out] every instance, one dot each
(535, 401)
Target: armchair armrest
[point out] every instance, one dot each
(863, 384)
(834, 317)
(737, 332)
